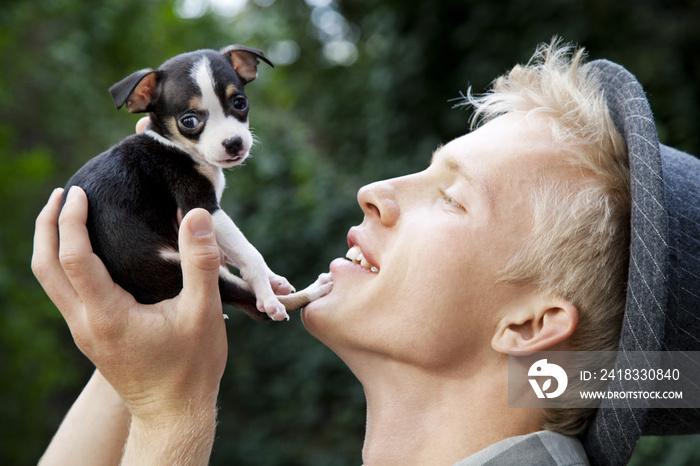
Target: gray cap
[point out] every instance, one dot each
(663, 292)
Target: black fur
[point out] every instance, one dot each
(158, 179)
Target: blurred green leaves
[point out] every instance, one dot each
(361, 92)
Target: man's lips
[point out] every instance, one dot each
(359, 255)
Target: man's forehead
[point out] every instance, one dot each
(511, 141)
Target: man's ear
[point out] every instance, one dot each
(137, 91)
(535, 326)
(245, 61)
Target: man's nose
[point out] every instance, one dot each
(379, 201)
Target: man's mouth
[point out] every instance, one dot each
(355, 255)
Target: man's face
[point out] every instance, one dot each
(438, 239)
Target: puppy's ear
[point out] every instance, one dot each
(245, 61)
(137, 91)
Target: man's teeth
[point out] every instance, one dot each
(355, 255)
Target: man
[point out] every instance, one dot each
(515, 238)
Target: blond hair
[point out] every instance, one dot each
(579, 245)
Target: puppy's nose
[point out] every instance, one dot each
(233, 145)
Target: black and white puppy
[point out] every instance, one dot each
(139, 189)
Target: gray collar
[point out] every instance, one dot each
(543, 448)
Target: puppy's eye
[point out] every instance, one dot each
(240, 103)
(189, 122)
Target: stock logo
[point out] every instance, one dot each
(542, 369)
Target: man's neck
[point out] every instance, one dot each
(438, 419)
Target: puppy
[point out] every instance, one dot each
(139, 189)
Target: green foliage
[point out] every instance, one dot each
(325, 129)
(678, 451)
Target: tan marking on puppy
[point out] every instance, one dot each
(172, 128)
(215, 175)
(196, 103)
(230, 90)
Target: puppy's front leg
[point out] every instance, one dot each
(251, 264)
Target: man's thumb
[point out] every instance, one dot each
(200, 255)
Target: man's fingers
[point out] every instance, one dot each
(200, 258)
(45, 263)
(84, 269)
(142, 124)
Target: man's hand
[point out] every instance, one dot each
(164, 360)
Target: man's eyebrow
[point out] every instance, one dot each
(453, 165)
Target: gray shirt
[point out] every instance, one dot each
(544, 448)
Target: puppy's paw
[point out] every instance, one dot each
(273, 308)
(321, 287)
(279, 284)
